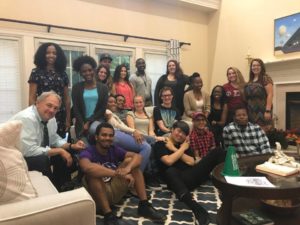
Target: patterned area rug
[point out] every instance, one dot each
(167, 203)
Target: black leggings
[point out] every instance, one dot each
(182, 181)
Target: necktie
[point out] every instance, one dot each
(46, 134)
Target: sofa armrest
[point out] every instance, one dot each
(73, 207)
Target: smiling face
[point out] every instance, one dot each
(200, 123)
(102, 74)
(217, 93)
(48, 107)
(105, 138)
(255, 68)
(231, 76)
(51, 55)
(120, 100)
(197, 83)
(241, 117)
(138, 103)
(123, 73)
(87, 72)
(111, 104)
(171, 67)
(166, 97)
(178, 135)
(140, 65)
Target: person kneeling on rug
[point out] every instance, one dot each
(109, 172)
(180, 170)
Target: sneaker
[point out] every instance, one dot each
(111, 219)
(147, 210)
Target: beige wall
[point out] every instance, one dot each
(241, 27)
(142, 18)
(219, 40)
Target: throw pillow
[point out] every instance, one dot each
(15, 184)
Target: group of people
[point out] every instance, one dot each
(183, 136)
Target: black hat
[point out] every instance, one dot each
(105, 56)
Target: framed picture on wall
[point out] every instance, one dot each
(287, 34)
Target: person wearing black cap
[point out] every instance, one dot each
(180, 170)
(105, 60)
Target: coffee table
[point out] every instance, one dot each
(286, 187)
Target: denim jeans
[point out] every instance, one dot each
(128, 142)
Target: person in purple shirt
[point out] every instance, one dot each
(109, 172)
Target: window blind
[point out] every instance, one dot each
(10, 91)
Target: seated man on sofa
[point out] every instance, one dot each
(181, 171)
(109, 172)
(247, 138)
(40, 144)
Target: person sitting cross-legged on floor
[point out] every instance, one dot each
(247, 138)
(180, 170)
(110, 171)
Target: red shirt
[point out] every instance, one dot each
(202, 141)
(234, 97)
(127, 91)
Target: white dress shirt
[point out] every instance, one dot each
(33, 132)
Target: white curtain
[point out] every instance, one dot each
(10, 91)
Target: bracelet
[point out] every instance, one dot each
(70, 148)
(268, 111)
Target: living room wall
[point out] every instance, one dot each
(219, 39)
(154, 19)
(244, 27)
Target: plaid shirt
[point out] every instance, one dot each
(250, 140)
(202, 143)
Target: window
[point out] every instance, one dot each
(72, 53)
(119, 57)
(10, 87)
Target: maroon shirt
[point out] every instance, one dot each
(234, 97)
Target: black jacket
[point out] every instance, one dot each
(79, 105)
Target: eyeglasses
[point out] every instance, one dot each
(164, 96)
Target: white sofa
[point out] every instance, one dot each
(45, 206)
(50, 207)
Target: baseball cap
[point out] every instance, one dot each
(198, 115)
(105, 56)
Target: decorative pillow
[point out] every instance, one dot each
(15, 184)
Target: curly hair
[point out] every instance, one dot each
(83, 60)
(40, 57)
(117, 73)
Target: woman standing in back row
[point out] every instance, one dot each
(234, 90)
(175, 79)
(50, 74)
(121, 85)
(259, 94)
